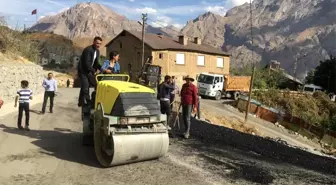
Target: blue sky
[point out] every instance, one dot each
(164, 12)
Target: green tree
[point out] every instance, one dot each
(310, 77)
(324, 75)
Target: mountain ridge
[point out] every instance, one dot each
(283, 30)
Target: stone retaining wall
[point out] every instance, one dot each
(11, 75)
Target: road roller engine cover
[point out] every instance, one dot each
(126, 123)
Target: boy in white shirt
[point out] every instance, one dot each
(24, 95)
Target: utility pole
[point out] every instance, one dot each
(253, 70)
(295, 66)
(144, 19)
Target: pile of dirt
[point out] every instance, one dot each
(229, 122)
(314, 108)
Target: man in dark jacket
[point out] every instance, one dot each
(164, 92)
(87, 69)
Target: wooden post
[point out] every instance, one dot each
(253, 70)
(250, 94)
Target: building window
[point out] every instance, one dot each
(120, 45)
(160, 56)
(179, 58)
(200, 60)
(220, 62)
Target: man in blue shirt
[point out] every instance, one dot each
(50, 86)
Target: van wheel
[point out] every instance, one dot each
(218, 95)
(235, 95)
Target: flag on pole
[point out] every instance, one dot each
(34, 12)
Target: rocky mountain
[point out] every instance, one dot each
(283, 30)
(85, 20)
(88, 20)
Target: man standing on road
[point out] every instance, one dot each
(87, 69)
(189, 102)
(164, 92)
(50, 86)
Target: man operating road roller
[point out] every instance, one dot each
(87, 69)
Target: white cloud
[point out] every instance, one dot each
(233, 3)
(162, 21)
(131, 0)
(180, 26)
(220, 10)
(146, 10)
(181, 10)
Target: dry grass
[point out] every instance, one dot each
(14, 43)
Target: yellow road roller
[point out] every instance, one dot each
(125, 123)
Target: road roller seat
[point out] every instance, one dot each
(104, 77)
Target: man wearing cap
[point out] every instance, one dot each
(189, 102)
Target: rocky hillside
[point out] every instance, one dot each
(283, 30)
(57, 44)
(88, 20)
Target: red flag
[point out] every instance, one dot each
(34, 11)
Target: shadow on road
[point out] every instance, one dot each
(232, 103)
(61, 143)
(35, 111)
(266, 150)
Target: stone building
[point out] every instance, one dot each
(177, 56)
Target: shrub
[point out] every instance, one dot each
(316, 109)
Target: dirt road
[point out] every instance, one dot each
(51, 153)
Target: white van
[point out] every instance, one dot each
(311, 88)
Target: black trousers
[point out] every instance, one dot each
(23, 107)
(50, 95)
(165, 109)
(86, 80)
